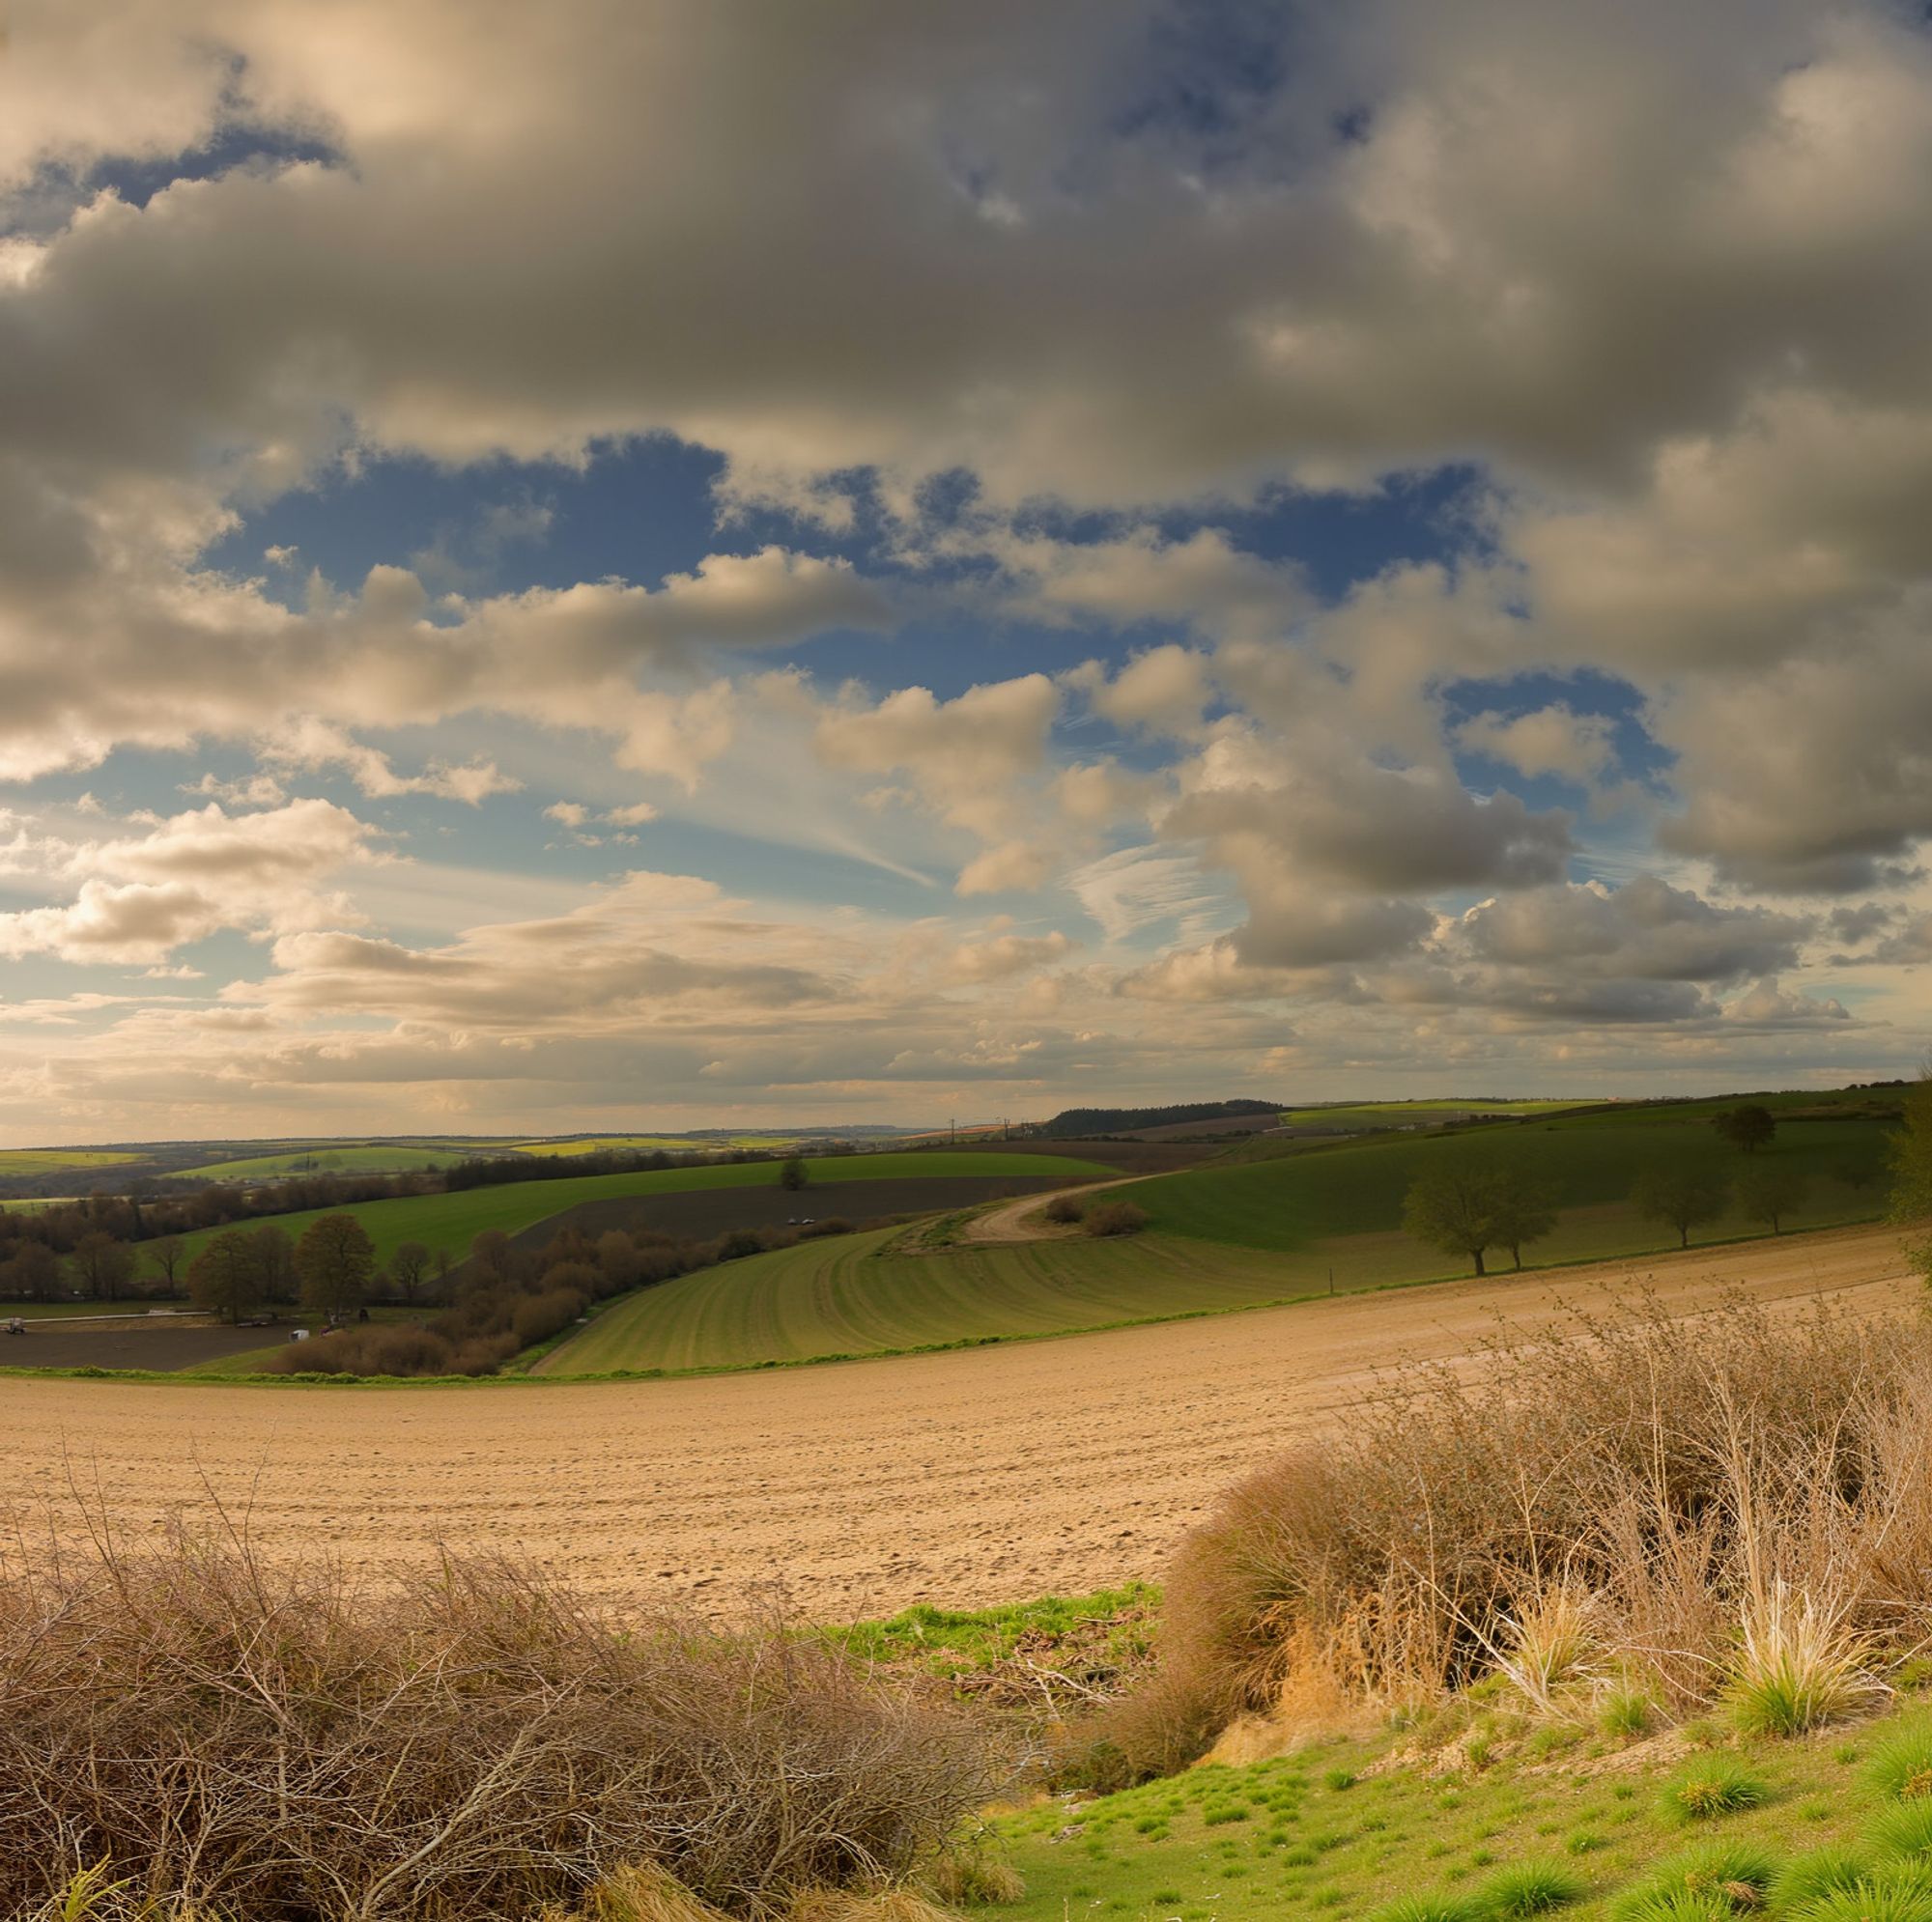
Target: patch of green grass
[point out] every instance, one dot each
(1626, 1714)
(1903, 1831)
(951, 1641)
(1887, 1895)
(1734, 1874)
(1400, 1847)
(645, 1144)
(1901, 1769)
(1530, 1888)
(1350, 1115)
(1809, 1878)
(1714, 1786)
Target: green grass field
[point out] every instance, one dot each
(17, 1161)
(1291, 1202)
(325, 1158)
(1394, 1114)
(670, 1143)
(842, 1296)
(1335, 1831)
(453, 1221)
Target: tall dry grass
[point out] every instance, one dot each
(202, 1730)
(1683, 1509)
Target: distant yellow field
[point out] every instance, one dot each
(670, 1144)
(51, 1160)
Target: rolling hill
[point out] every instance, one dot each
(453, 1221)
(1237, 1230)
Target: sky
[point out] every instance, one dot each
(670, 563)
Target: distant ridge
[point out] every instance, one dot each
(1076, 1121)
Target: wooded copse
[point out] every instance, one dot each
(506, 1299)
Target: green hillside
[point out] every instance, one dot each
(670, 1143)
(325, 1158)
(1294, 1200)
(845, 1296)
(452, 1220)
(1395, 1114)
(1233, 1232)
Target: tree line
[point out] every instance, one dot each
(1468, 1210)
(504, 1299)
(116, 1247)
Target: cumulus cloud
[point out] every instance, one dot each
(180, 879)
(1552, 740)
(1645, 929)
(1334, 855)
(1764, 1004)
(966, 758)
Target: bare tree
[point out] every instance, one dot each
(103, 1266)
(408, 1266)
(335, 1259)
(275, 1262)
(225, 1276)
(167, 1255)
(33, 1273)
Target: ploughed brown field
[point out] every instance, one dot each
(699, 1213)
(965, 1477)
(131, 1344)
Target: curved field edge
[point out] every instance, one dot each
(531, 1368)
(453, 1221)
(818, 1297)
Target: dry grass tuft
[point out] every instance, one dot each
(1599, 1510)
(893, 1904)
(962, 1879)
(1798, 1665)
(192, 1727)
(1554, 1645)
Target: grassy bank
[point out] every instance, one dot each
(1345, 1828)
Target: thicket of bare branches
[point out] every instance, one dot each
(1631, 1501)
(277, 1743)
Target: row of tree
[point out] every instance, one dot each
(332, 1271)
(1467, 1210)
(144, 1215)
(504, 1299)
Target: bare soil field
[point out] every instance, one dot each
(963, 1479)
(130, 1344)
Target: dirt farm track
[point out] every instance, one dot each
(963, 1479)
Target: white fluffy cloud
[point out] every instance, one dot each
(141, 896)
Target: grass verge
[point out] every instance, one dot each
(1384, 1827)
